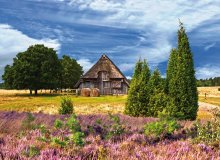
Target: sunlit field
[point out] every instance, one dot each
(21, 101)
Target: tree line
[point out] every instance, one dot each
(208, 82)
(40, 68)
(176, 94)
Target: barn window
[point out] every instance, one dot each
(87, 84)
(116, 84)
(107, 84)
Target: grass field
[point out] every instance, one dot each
(211, 100)
(21, 101)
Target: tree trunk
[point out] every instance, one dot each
(30, 91)
(35, 91)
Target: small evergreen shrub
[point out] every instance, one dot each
(31, 151)
(28, 122)
(162, 128)
(58, 142)
(64, 133)
(116, 128)
(66, 106)
(58, 124)
(73, 124)
(77, 138)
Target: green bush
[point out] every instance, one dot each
(116, 128)
(56, 141)
(66, 106)
(28, 122)
(75, 128)
(77, 138)
(32, 151)
(58, 124)
(73, 124)
(162, 128)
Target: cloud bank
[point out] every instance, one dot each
(14, 41)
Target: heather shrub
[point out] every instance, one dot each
(75, 128)
(31, 151)
(56, 141)
(98, 128)
(58, 124)
(116, 128)
(77, 138)
(209, 132)
(66, 106)
(162, 128)
(28, 122)
(65, 133)
(73, 124)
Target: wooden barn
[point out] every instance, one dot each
(105, 76)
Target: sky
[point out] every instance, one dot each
(125, 30)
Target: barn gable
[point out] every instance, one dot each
(106, 76)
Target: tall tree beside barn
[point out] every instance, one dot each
(158, 99)
(181, 79)
(171, 71)
(132, 104)
(71, 72)
(144, 96)
(138, 96)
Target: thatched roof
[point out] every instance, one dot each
(104, 64)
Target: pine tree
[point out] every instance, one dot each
(181, 79)
(132, 104)
(158, 99)
(144, 96)
(171, 70)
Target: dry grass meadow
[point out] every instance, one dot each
(21, 101)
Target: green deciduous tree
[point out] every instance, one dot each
(8, 77)
(71, 72)
(37, 68)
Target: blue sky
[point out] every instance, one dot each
(125, 30)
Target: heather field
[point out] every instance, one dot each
(46, 135)
(130, 144)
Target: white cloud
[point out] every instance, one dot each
(126, 67)
(14, 41)
(162, 14)
(207, 71)
(209, 46)
(128, 77)
(159, 19)
(85, 63)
